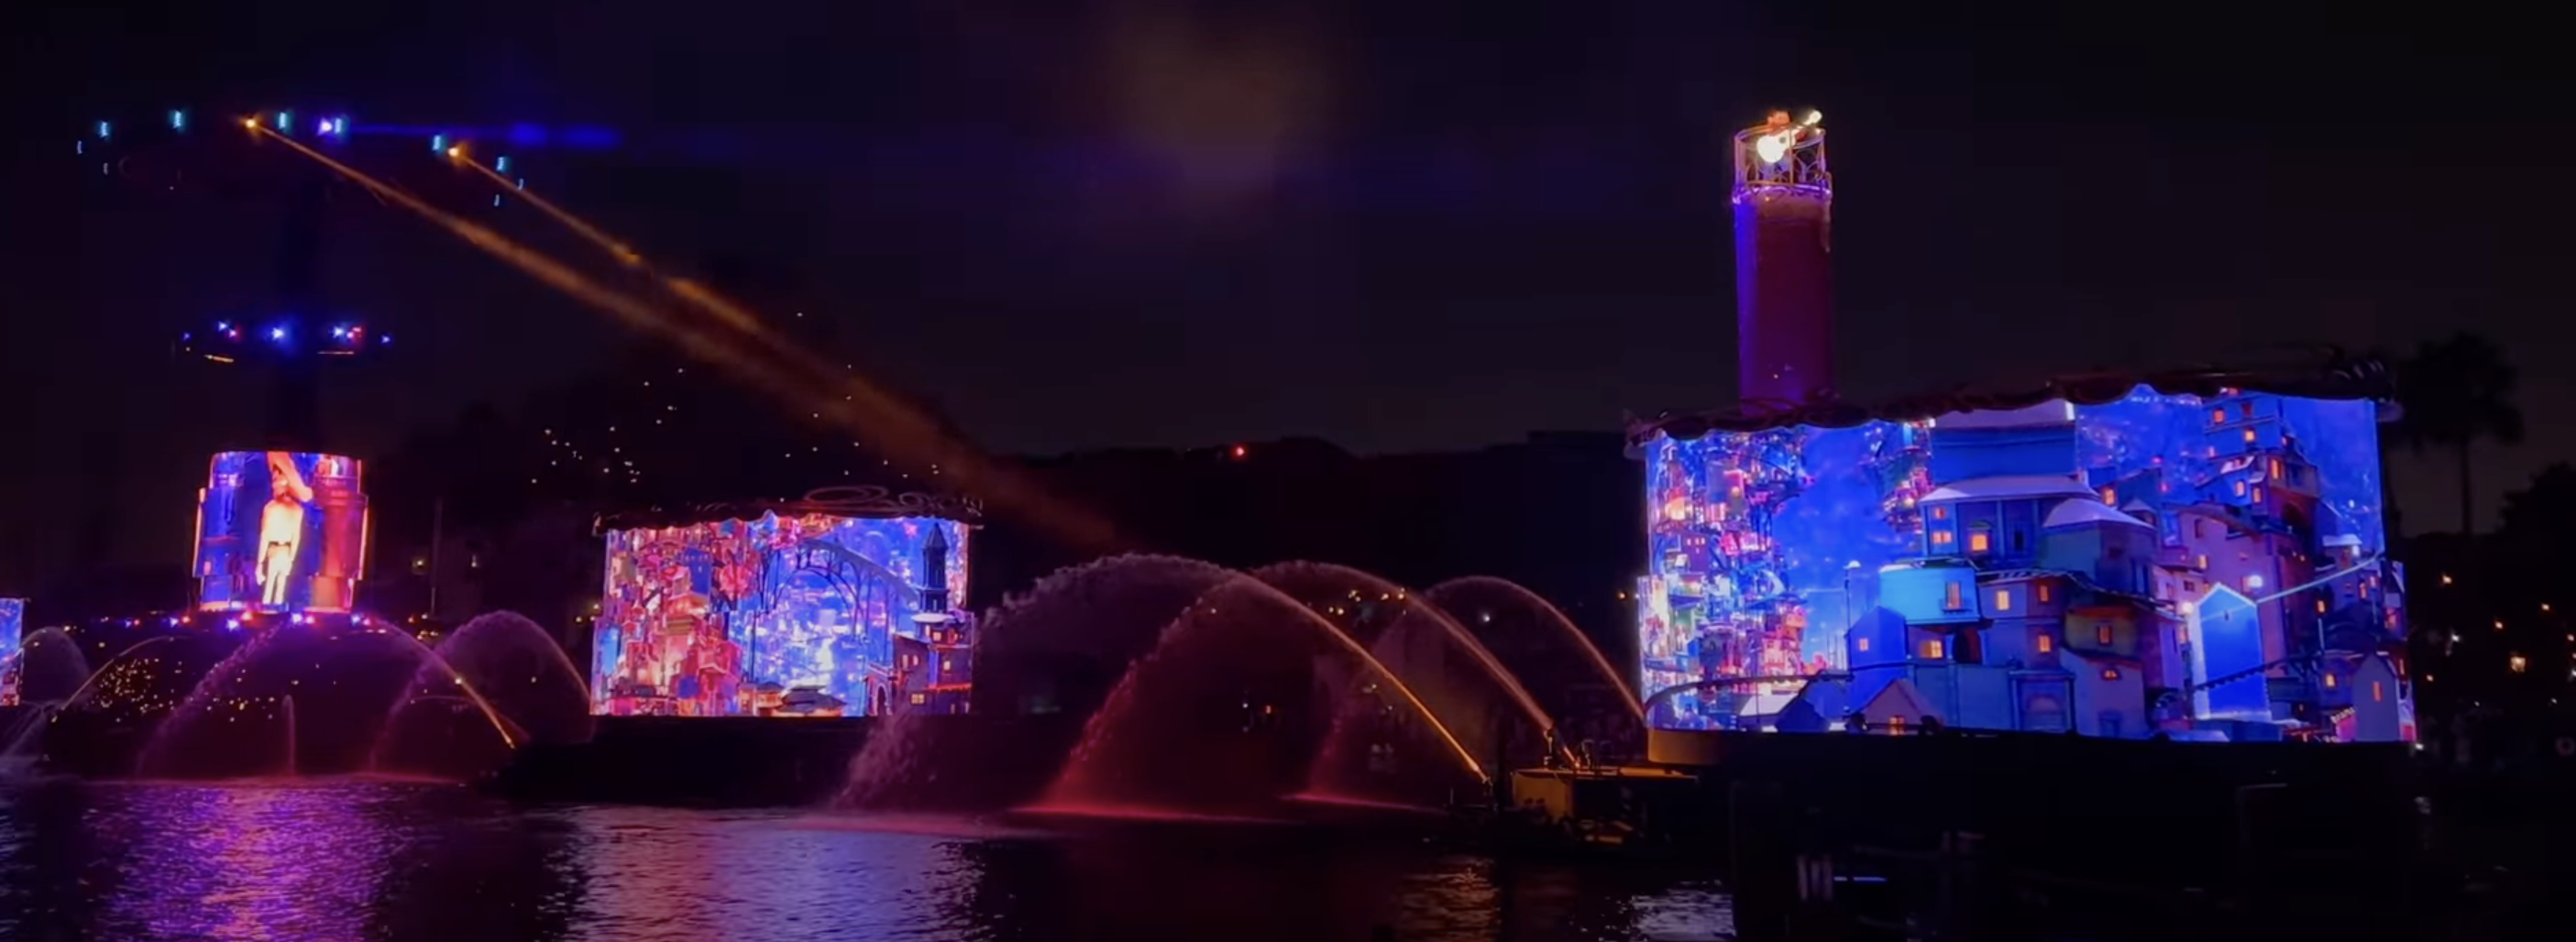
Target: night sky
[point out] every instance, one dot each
(1398, 225)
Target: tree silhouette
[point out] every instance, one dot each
(2542, 514)
(2457, 392)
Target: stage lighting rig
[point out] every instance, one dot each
(234, 158)
(254, 340)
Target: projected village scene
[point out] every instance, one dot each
(803, 615)
(2163, 565)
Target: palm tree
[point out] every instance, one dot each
(2456, 393)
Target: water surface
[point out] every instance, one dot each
(347, 860)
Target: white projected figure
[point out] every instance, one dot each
(281, 528)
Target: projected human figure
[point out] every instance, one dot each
(281, 528)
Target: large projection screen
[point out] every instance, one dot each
(784, 615)
(2206, 567)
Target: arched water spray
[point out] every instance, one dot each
(434, 666)
(50, 662)
(34, 728)
(1446, 595)
(1103, 614)
(220, 678)
(1087, 783)
(1057, 649)
(1454, 635)
(521, 672)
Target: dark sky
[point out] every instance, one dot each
(1399, 225)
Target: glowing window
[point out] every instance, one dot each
(2201, 561)
(1978, 541)
(2110, 673)
(2518, 663)
(1932, 648)
(1860, 644)
(2102, 633)
(1896, 725)
(2276, 467)
(2240, 488)
(2330, 681)
(920, 698)
(2043, 591)
(2249, 435)
(1940, 513)
(1951, 598)
(2047, 644)
(2321, 606)
(2258, 495)
(1941, 537)
(2375, 693)
(2003, 600)
(2218, 415)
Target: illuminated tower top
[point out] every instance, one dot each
(1782, 154)
(1784, 198)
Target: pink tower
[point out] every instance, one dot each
(1784, 285)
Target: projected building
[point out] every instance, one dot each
(2203, 563)
(13, 625)
(819, 608)
(280, 532)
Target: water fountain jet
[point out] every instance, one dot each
(1090, 779)
(36, 725)
(1456, 635)
(1439, 594)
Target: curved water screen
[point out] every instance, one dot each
(2200, 567)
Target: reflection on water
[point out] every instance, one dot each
(352, 860)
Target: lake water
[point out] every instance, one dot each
(341, 861)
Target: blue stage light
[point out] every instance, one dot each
(178, 120)
(277, 333)
(501, 164)
(222, 326)
(80, 147)
(438, 143)
(286, 122)
(102, 130)
(340, 332)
